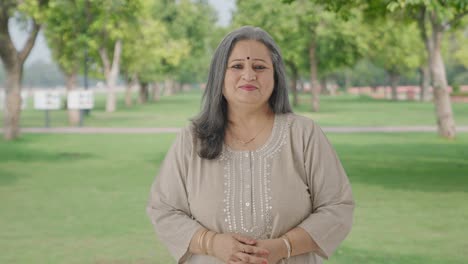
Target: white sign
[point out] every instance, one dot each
(80, 100)
(24, 100)
(47, 100)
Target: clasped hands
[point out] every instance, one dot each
(238, 249)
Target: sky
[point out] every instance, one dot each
(42, 52)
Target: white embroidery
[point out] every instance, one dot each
(257, 196)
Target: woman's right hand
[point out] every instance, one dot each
(237, 249)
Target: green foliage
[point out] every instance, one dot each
(193, 24)
(340, 43)
(395, 46)
(149, 46)
(66, 33)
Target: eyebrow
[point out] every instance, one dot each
(254, 59)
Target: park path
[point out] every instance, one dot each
(154, 130)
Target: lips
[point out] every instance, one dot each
(248, 87)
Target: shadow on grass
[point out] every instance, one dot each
(20, 151)
(7, 177)
(408, 166)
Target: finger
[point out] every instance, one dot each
(245, 239)
(252, 250)
(246, 258)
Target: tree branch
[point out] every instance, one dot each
(8, 51)
(117, 52)
(23, 54)
(105, 61)
(421, 18)
(455, 19)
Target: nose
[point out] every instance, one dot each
(249, 74)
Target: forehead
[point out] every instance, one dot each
(250, 48)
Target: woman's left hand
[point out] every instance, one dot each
(276, 247)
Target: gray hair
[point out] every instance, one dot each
(210, 125)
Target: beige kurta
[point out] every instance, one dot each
(294, 179)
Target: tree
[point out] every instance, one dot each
(110, 22)
(309, 36)
(195, 22)
(65, 31)
(150, 50)
(395, 47)
(280, 21)
(192, 23)
(13, 60)
(435, 18)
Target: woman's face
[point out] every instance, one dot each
(249, 78)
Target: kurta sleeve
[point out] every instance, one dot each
(168, 206)
(332, 202)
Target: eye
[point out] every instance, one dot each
(259, 67)
(237, 66)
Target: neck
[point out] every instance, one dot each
(245, 117)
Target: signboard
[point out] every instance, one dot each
(24, 100)
(47, 100)
(80, 99)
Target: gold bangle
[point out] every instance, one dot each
(209, 245)
(290, 243)
(288, 246)
(200, 240)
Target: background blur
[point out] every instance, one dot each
(387, 80)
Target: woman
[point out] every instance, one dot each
(249, 181)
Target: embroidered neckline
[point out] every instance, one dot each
(247, 180)
(274, 136)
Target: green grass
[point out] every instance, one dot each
(81, 198)
(174, 111)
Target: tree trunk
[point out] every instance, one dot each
(294, 89)
(12, 110)
(443, 105)
(129, 91)
(347, 80)
(314, 82)
(168, 87)
(424, 82)
(144, 93)
(177, 87)
(73, 114)
(293, 84)
(128, 95)
(156, 92)
(111, 72)
(394, 80)
(323, 86)
(13, 61)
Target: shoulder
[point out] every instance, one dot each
(184, 139)
(302, 124)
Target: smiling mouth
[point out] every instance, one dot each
(248, 87)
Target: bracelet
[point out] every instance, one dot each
(209, 245)
(288, 246)
(200, 240)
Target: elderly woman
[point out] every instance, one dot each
(249, 181)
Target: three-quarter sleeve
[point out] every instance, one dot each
(332, 202)
(168, 206)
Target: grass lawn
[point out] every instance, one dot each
(174, 111)
(81, 198)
